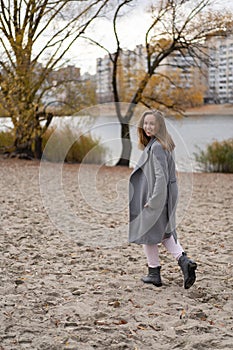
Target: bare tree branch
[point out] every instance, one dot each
(54, 28)
(177, 26)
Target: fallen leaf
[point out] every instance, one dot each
(115, 303)
(122, 321)
(101, 322)
(134, 304)
(142, 328)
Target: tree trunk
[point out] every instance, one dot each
(126, 146)
(23, 149)
(22, 143)
(29, 134)
(38, 147)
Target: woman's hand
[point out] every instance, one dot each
(146, 205)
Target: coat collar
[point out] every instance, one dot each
(145, 154)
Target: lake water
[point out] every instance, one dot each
(188, 133)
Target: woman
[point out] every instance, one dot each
(153, 195)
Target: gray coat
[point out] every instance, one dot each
(153, 181)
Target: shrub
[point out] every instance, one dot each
(218, 157)
(84, 148)
(6, 140)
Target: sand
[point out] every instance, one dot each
(75, 285)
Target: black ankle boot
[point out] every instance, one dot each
(188, 268)
(153, 276)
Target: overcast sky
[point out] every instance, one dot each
(131, 29)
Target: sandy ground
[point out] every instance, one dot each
(75, 284)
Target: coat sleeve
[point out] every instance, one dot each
(158, 197)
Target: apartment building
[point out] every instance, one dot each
(132, 61)
(177, 71)
(216, 83)
(104, 80)
(220, 72)
(188, 73)
(69, 74)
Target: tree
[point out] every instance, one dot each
(177, 27)
(32, 32)
(79, 95)
(176, 91)
(71, 92)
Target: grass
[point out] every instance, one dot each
(72, 146)
(65, 144)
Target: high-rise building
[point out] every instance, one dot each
(186, 68)
(104, 80)
(220, 72)
(130, 63)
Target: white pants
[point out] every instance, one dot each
(152, 252)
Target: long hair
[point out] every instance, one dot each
(162, 134)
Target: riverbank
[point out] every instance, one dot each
(83, 291)
(219, 110)
(208, 109)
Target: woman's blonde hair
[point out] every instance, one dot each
(162, 134)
